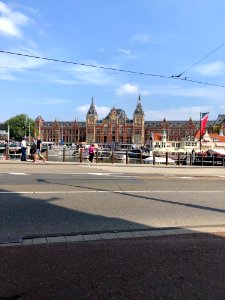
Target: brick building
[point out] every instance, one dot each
(117, 128)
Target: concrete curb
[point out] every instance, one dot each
(114, 235)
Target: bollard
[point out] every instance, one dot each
(213, 160)
(178, 159)
(141, 157)
(167, 155)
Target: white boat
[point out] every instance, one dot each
(120, 155)
(159, 160)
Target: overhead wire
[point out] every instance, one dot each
(109, 68)
(200, 60)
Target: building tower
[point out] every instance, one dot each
(138, 124)
(91, 120)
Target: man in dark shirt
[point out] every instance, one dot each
(38, 150)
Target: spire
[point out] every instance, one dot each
(92, 110)
(139, 109)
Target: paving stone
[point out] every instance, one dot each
(74, 238)
(123, 235)
(27, 242)
(56, 239)
(154, 232)
(39, 241)
(108, 236)
(139, 233)
(169, 231)
(91, 237)
(10, 244)
(184, 231)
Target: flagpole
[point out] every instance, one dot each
(200, 139)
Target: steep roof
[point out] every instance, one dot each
(92, 110)
(139, 110)
(119, 113)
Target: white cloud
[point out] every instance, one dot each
(124, 51)
(50, 101)
(130, 89)
(181, 113)
(83, 75)
(127, 89)
(8, 28)
(12, 64)
(212, 69)
(102, 111)
(83, 109)
(10, 21)
(206, 92)
(100, 50)
(57, 101)
(66, 81)
(141, 38)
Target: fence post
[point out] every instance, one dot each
(81, 155)
(127, 157)
(141, 157)
(178, 158)
(46, 155)
(64, 154)
(6, 152)
(167, 158)
(97, 156)
(153, 158)
(213, 160)
(112, 157)
(202, 158)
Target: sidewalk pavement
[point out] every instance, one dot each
(186, 263)
(181, 266)
(128, 168)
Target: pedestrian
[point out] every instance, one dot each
(23, 149)
(33, 149)
(38, 151)
(91, 153)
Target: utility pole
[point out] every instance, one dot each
(200, 139)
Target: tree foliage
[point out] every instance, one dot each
(20, 126)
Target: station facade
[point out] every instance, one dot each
(117, 128)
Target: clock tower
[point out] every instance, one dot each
(91, 120)
(138, 124)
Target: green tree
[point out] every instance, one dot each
(20, 126)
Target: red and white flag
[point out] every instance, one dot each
(204, 119)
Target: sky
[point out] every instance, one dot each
(155, 39)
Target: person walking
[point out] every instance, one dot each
(91, 153)
(23, 150)
(33, 150)
(38, 151)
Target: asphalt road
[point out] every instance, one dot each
(49, 200)
(39, 200)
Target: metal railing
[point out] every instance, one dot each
(110, 156)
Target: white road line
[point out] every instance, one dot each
(18, 174)
(96, 191)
